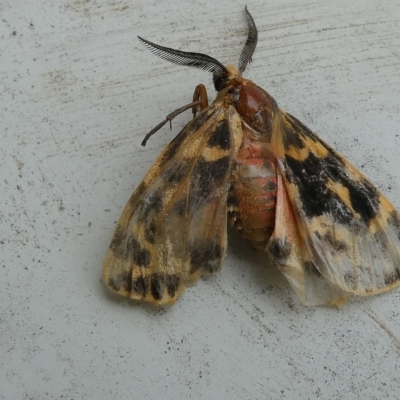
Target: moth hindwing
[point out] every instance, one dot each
(243, 159)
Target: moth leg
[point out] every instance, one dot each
(200, 93)
(200, 100)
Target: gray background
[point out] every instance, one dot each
(78, 93)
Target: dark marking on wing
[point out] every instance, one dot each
(172, 282)
(150, 204)
(176, 173)
(312, 175)
(141, 285)
(118, 238)
(291, 137)
(207, 176)
(174, 146)
(310, 268)
(150, 232)
(180, 207)
(350, 281)
(119, 244)
(157, 285)
(394, 220)
(279, 248)
(393, 276)
(381, 240)
(205, 255)
(338, 245)
(363, 196)
(316, 198)
(153, 202)
(113, 284)
(141, 256)
(221, 136)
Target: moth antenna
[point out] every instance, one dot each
(185, 58)
(250, 44)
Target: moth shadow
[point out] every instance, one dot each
(259, 271)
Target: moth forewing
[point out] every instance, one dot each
(173, 229)
(349, 228)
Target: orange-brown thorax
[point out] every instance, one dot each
(252, 196)
(255, 107)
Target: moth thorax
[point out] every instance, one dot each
(255, 107)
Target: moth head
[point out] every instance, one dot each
(222, 75)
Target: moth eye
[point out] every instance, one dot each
(220, 82)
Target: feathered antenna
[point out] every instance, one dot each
(250, 44)
(185, 58)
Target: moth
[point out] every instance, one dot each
(245, 161)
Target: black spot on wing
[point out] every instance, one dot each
(336, 244)
(393, 277)
(279, 247)
(150, 204)
(311, 176)
(316, 199)
(291, 137)
(176, 173)
(150, 232)
(205, 255)
(363, 196)
(153, 201)
(172, 283)
(350, 280)
(220, 137)
(141, 285)
(113, 284)
(157, 285)
(207, 177)
(117, 244)
(141, 256)
(180, 207)
(125, 247)
(381, 241)
(174, 146)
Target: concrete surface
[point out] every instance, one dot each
(78, 94)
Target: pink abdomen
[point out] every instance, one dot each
(252, 196)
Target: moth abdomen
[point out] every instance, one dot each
(252, 198)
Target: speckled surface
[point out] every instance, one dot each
(78, 94)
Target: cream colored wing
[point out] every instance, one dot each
(348, 232)
(292, 257)
(173, 228)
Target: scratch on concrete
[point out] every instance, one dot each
(393, 337)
